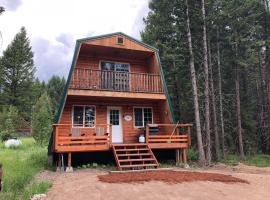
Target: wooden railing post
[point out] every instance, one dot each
(110, 133)
(189, 139)
(56, 136)
(147, 134)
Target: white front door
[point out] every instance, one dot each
(114, 118)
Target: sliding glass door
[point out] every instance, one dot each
(115, 76)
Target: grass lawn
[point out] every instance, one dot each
(258, 160)
(20, 166)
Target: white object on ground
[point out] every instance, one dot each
(38, 197)
(12, 143)
(69, 169)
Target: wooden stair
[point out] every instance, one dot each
(134, 157)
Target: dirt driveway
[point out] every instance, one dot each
(84, 184)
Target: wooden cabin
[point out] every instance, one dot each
(116, 100)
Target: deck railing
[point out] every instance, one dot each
(169, 135)
(85, 78)
(68, 137)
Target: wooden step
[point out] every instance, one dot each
(128, 145)
(134, 156)
(139, 165)
(123, 150)
(135, 160)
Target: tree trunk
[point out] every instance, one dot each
(220, 97)
(238, 110)
(176, 89)
(206, 89)
(194, 92)
(217, 145)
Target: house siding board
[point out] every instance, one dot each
(130, 133)
(112, 42)
(90, 62)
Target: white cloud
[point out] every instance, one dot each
(54, 25)
(10, 5)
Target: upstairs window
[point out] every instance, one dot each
(120, 40)
(84, 116)
(114, 66)
(142, 116)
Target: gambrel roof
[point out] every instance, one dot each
(103, 40)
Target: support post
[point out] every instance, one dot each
(185, 156)
(181, 156)
(177, 157)
(147, 134)
(189, 138)
(110, 128)
(56, 137)
(59, 167)
(69, 167)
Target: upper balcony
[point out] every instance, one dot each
(106, 68)
(116, 81)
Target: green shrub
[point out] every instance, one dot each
(42, 120)
(8, 119)
(5, 135)
(192, 154)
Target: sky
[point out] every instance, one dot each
(54, 25)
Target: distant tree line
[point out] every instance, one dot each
(216, 58)
(24, 99)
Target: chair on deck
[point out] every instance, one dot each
(75, 132)
(153, 129)
(100, 131)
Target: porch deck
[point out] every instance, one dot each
(171, 136)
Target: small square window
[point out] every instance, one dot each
(120, 40)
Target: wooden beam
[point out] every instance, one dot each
(110, 134)
(69, 159)
(185, 156)
(147, 134)
(181, 156)
(189, 138)
(177, 156)
(81, 148)
(113, 94)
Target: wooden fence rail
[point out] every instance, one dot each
(170, 134)
(68, 138)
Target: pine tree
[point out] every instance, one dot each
(8, 122)
(194, 90)
(18, 73)
(2, 9)
(42, 120)
(55, 88)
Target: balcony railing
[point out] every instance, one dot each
(84, 78)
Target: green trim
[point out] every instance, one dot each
(166, 89)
